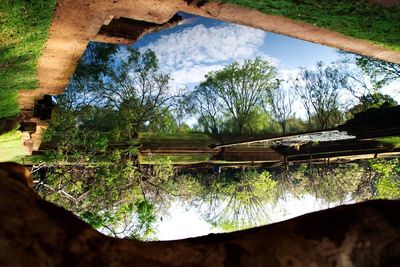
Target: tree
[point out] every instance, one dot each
(380, 72)
(110, 191)
(365, 79)
(234, 200)
(206, 103)
(60, 238)
(131, 85)
(107, 102)
(81, 169)
(375, 100)
(281, 103)
(138, 89)
(388, 182)
(236, 90)
(318, 90)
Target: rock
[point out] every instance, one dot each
(34, 232)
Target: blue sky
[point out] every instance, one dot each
(199, 45)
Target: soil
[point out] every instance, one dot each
(75, 23)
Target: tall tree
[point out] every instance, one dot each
(206, 103)
(366, 78)
(234, 199)
(280, 103)
(137, 88)
(318, 90)
(380, 72)
(123, 80)
(239, 88)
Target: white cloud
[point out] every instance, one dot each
(190, 54)
(393, 89)
(194, 75)
(200, 45)
(288, 74)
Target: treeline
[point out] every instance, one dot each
(123, 199)
(113, 96)
(127, 94)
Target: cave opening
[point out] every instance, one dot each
(209, 126)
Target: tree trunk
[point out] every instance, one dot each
(34, 232)
(283, 125)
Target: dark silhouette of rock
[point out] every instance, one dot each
(197, 3)
(127, 31)
(34, 232)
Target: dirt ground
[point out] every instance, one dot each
(75, 23)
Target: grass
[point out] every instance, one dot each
(11, 147)
(355, 18)
(182, 159)
(146, 136)
(23, 32)
(391, 142)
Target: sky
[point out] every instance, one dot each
(185, 222)
(199, 45)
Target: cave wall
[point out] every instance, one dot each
(34, 232)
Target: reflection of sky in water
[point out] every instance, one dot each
(185, 222)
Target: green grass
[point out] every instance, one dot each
(145, 136)
(23, 32)
(11, 147)
(182, 159)
(355, 18)
(391, 142)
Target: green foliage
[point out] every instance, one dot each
(23, 32)
(174, 159)
(388, 185)
(374, 100)
(234, 200)
(132, 95)
(233, 96)
(107, 188)
(107, 194)
(359, 19)
(380, 72)
(296, 125)
(318, 90)
(11, 147)
(146, 219)
(391, 142)
(389, 188)
(334, 184)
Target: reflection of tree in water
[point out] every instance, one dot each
(115, 193)
(234, 199)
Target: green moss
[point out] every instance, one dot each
(391, 142)
(23, 32)
(146, 136)
(175, 159)
(11, 148)
(358, 19)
